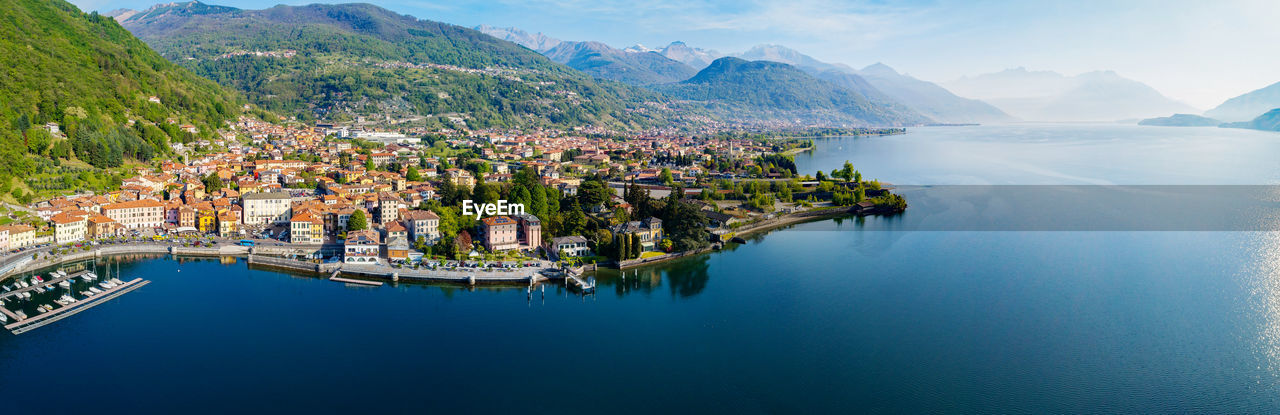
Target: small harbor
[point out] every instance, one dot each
(32, 301)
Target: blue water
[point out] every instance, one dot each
(822, 317)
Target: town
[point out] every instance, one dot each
(387, 198)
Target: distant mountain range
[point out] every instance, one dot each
(884, 85)
(878, 84)
(1051, 96)
(1181, 120)
(783, 91)
(1248, 106)
(1269, 121)
(636, 68)
(536, 41)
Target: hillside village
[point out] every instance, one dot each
(389, 197)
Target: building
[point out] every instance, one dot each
(266, 208)
(388, 209)
(569, 246)
(100, 226)
(70, 226)
(361, 247)
(186, 217)
(649, 231)
(460, 177)
(530, 233)
(20, 236)
(228, 223)
(499, 233)
(306, 228)
(136, 214)
(422, 224)
(397, 248)
(395, 230)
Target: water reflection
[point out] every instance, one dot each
(684, 277)
(1264, 277)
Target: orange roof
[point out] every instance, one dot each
(144, 203)
(498, 220)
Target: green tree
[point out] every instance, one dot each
(665, 176)
(358, 221)
(212, 183)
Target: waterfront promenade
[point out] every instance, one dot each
(277, 256)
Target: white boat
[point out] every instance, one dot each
(95, 290)
(22, 284)
(21, 315)
(67, 299)
(4, 318)
(65, 284)
(107, 285)
(42, 309)
(117, 281)
(87, 293)
(89, 276)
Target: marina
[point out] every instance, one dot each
(21, 292)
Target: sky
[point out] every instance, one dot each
(1199, 52)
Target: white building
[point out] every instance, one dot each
(265, 208)
(136, 214)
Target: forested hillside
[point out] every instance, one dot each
(78, 87)
(347, 60)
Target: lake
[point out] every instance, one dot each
(842, 315)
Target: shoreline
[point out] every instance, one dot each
(462, 276)
(759, 227)
(22, 263)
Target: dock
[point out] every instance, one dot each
(42, 285)
(354, 281)
(585, 286)
(23, 326)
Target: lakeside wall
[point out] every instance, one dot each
(261, 256)
(752, 228)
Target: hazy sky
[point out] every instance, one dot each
(1200, 52)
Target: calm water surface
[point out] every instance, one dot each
(833, 316)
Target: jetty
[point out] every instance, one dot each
(584, 286)
(354, 281)
(23, 326)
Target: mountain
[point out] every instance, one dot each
(341, 61)
(884, 86)
(777, 91)
(535, 41)
(641, 48)
(778, 53)
(1248, 106)
(636, 68)
(113, 97)
(858, 84)
(1181, 120)
(1051, 96)
(1269, 121)
(694, 57)
(930, 99)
